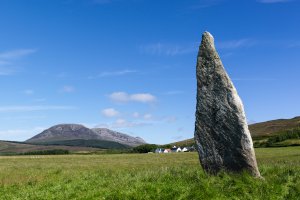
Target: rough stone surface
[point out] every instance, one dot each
(221, 131)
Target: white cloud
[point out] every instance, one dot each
(33, 108)
(136, 115)
(123, 97)
(16, 53)
(168, 49)
(67, 89)
(110, 112)
(274, 1)
(143, 97)
(119, 97)
(28, 92)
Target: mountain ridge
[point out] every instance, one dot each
(66, 132)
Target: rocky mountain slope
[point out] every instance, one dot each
(72, 132)
(121, 138)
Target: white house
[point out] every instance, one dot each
(178, 150)
(185, 149)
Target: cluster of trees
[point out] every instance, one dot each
(145, 148)
(280, 137)
(47, 152)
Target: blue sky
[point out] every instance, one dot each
(129, 65)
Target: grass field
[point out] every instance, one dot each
(146, 176)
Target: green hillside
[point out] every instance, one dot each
(12, 148)
(102, 144)
(274, 126)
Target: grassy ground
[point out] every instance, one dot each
(146, 176)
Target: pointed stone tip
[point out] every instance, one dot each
(208, 39)
(207, 35)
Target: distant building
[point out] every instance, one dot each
(188, 149)
(185, 149)
(159, 150)
(167, 151)
(176, 149)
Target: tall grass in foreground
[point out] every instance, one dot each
(146, 176)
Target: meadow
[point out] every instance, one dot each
(146, 176)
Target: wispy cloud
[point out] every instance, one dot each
(116, 73)
(174, 92)
(26, 117)
(5, 71)
(19, 134)
(39, 100)
(123, 123)
(4, 109)
(28, 92)
(2, 63)
(123, 97)
(294, 44)
(274, 1)
(234, 44)
(102, 1)
(168, 49)
(67, 89)
(205, 4)
(16, 53)
(110, 112)
(7, 59)
(113, 73)
(254, 79)
(148, 116)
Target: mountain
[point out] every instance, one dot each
(122, 138)
(64, 132)
(78, 135)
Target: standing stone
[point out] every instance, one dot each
(222, 136)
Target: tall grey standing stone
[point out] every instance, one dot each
(222, 136)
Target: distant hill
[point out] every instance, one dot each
(272, 127)
(75, 134)
(260, 132)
